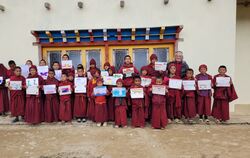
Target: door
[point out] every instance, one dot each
(140, 57)
(118, 57)
(94, 54)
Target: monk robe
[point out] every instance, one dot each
(173, 102)
(154, 73)
(34, 108)
(10, 73)
(128, 80)
(65, 113)
(91, 101)
(17, 98)
(120, 111)
(4, 99)
(138, 105)
(204, 97)
(110, 105)
(147, 109)
(51, 106)
(189, 104)
(80, 105)
(159, 114)
(222, 97)
(101, 111)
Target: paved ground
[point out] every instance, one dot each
(87, 140)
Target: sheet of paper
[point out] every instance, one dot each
(25, 70)
(43, 71)
(160, 66)
(109, 80)
(49, 89)
(67, 64)
(118, 92)
(175, 83)
(100, 91)
(223, 81)
(32, 86)
(159, 89)
(7, 82)
(136, 93)
(104, 73)
(204, 84)
(64, 90)
(1, 80)
(118, 76)
(58, 74)
(80, 84)
(128, 71)
(145, 81)
(189, 85)
(16, 85)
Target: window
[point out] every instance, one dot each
(140, 56)
(95, 54)
(118, 57)
(54, 56)
(162, 54)
(75, 56)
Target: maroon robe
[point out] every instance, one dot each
(80, 105)
(148, 109)
(65, 113)
(128, 80)
(204, 97)
(120, 111)
(110, 105)
(153, 73)
(4, 99)
(10, 73)
(17, 98)
(101, 111)
(51, 105)
(91, 100)
(34, 108)
(222, 97)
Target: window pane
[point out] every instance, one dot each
(162, 54)
(118, 57)
(75, 56)
(54, 56)
(95, 54)
(140, 57)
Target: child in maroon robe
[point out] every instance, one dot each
(203, 96)
(106, 66)
(189, 100)
(56, 65)
(51, 105)
(101, 111)
(151, 68)
(70, 70)
(65, 114)
(173, 98)
(222, 97)
(80, 100)
(12, 66)
(138, 105)
(4, 100)
(159, 114)
(92, 67)
(71, 80)
(34, 107)
(110, 99)
(17, 97)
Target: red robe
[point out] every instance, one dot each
(153, 73)
(91, 101)
(189, 104)
(80, 105)
(34, 107)
(65, 113)
(159, 113)
(148, 109)
(51, 106)
(204, 97)
(111, 107)
(4, 99)
(101, 111)
(10, 73)
(174, 102)
(138, 113)
(120, 111)
(17, 98)
(222, 97)
(128, 80)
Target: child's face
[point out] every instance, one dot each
(106, 67)
(32, 71)
(80, 72)
(172, 70)
(110, 72)
(189, 74)
(137, 81)
(28, 63)
(63, 77)
(153, 61)
(42, 63)
(119, 84)
(65, 57)
(12, 66)
(97, 74)
(92, 66)
(127, 60)
(99, 83)
(144, 72)
(158, 81)
(222, 71)
(71, 78)
(56, 66)
(17, 72)
(203, 70)
(51, 74)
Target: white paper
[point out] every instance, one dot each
(160, 66)
(118, 76)
(67, 64)
(175, 83)
(223, 81)
(128, 71)
(189, 85)
(145, 81)
(89, 75)
(204, 84)
(58, 74)
(25, 70)
(80, 84)
(7, 82)
(100, 91)
(49, 89)
(104, 73)
(43, 71)
(109, 80)
(159, 89)
(16, 85)
(64, 90)
(32, 86)
(136, 93)
(1, 80)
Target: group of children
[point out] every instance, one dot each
(155, 108)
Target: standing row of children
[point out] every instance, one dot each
(158, 109)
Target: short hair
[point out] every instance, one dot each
(11, 62)
(159, 78)
(65, 74)
(80, 66)
(222, 66)
(127, 56)
(66, 55)
(52, 70)
(179, 52)
(190, 70)
(17, 67)
(136, 77)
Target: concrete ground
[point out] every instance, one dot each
(231, 140)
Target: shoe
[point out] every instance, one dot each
(98, 124)
(125, 127)
(84, 120)
(15, 120)
(116, 126)
(169, 121)
(207, 121)
(79, 120)
(104, 124)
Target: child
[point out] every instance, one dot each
(42, 63)
(4, 100)
(110, 99)
(56, 65)
(106, 66)
(138, 105)
(151, 68)
(80, 100)
(17, 97)
(189, 104)
(174, 97)
(203, 96)
(92, 67)
(101, 111)
(159, 114)
(65, 114)
(51, 106)
(120, 108)
(34, 107)
(12, 66)
(29, 63)
(222, 97)
(69, 70)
